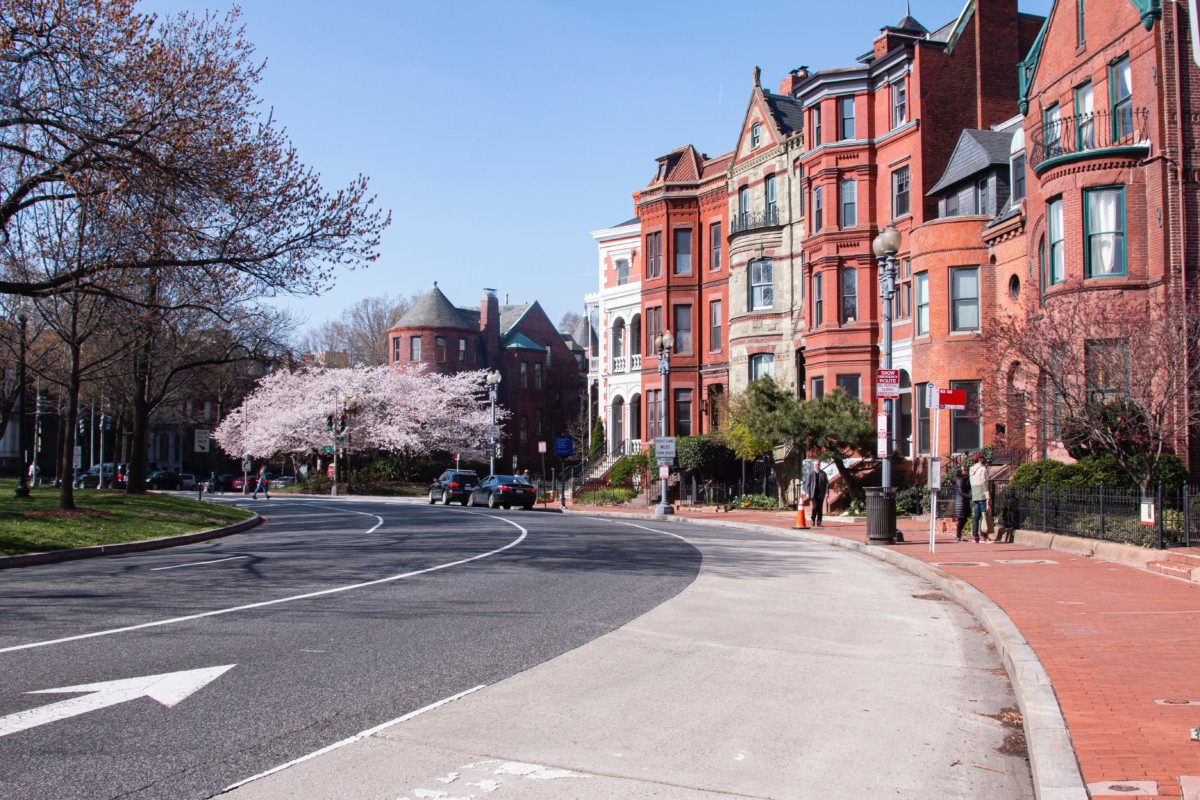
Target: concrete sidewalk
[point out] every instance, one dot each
(1119, 644)
(787, 669)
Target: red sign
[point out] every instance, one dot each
(954, 399)
(887, 383)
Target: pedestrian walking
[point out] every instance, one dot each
(962, 501)
(815, 487)
(979, 497)
(261, 486)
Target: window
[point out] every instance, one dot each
(524, 375)
(462, 349)
(849, 295)
(653, 255)
(537, 376)
(683, 329)
(654, 412)
(846, 117)
(1085, 125)
(903, 301)
(683, 412)
(1054, 222)
(395, 348)
(762, 287)
(951, 205)
(966, 427)
(1079, 17)
(772, 206)
(983, 197)
(899, 103)
(818, 208)
(743, 206)
(622, 271)
(755, 135)
(524, 429)
(683, 251)
(818, 388)
(1052, 130)
(714, 326)
(921, 280)
(848, 384)
(439, 348)
(1018, 177)
(537, 422)
(654, 321)
(816, 125)
(1120, 92)
(964, 299)
(762, 365)
(923, 427)
(849, 200)
(1107, 366)
(414, 348)
(715, 246)
(1104, 231)
(800, 204)
(900, 192)
(818, 299)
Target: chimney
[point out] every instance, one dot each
(794, 78)
(489, 327)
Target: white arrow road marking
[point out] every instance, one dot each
(168, 689)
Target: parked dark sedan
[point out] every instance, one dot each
(452, 485)
(503, 490)
(161, 479)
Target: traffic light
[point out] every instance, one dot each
(342, 422)
(499, 450)
(329, 422)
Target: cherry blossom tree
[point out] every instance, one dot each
(404, 411)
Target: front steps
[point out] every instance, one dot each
(1183, 563)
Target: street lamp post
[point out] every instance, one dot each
(493, 387)
(886, 244)
(22, 486)
(663, 344)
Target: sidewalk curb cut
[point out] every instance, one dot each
(74, 553)
(1052, 761)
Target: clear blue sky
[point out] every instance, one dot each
(501, 134)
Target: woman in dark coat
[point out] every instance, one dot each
(962, 501)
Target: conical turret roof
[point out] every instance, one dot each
(433, 310)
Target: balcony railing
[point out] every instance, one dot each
(620, 364)
(635, 362)
(1082, 133)
(751, 221)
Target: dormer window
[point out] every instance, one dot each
(662, 171)
(755, 135)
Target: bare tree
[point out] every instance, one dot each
(1104, 372)
(361, 332)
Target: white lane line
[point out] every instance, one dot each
(198, 563)
(346, 511)
(356, 737)
(630, 524)
(265, 603)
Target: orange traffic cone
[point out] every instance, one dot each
(801, 522)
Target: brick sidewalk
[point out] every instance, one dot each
(1121, 646)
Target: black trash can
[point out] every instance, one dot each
(881, 514)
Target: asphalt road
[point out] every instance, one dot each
(331, 619)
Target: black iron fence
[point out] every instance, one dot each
(1100, 513)
(1082, 132)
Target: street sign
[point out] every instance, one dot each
(493, 431)
(202, 440)
(541, 447)
(77, 457)
(935, 474)
(931, 398)
(664, 471)
(887, 383)
(327, 448)
(664, 447)
(564, 446)
(247, 466)
(489, 450)
(954, 399)
(881, 432)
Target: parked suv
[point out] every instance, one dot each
(453, 484)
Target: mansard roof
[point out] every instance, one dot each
(434, 310)
(975, 152)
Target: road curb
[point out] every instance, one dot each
(74, 553)
(1052, 760)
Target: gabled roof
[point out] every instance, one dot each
(787, 111)
(511, 315)
(434, 310)
(519, 341)
(975, 152)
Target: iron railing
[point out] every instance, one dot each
(1084, 132)
(754, 220)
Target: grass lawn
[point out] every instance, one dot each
(101, 517)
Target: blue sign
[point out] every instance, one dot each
(564, 446)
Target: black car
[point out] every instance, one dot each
(161, 479)
(503, 490)
(451, 485)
